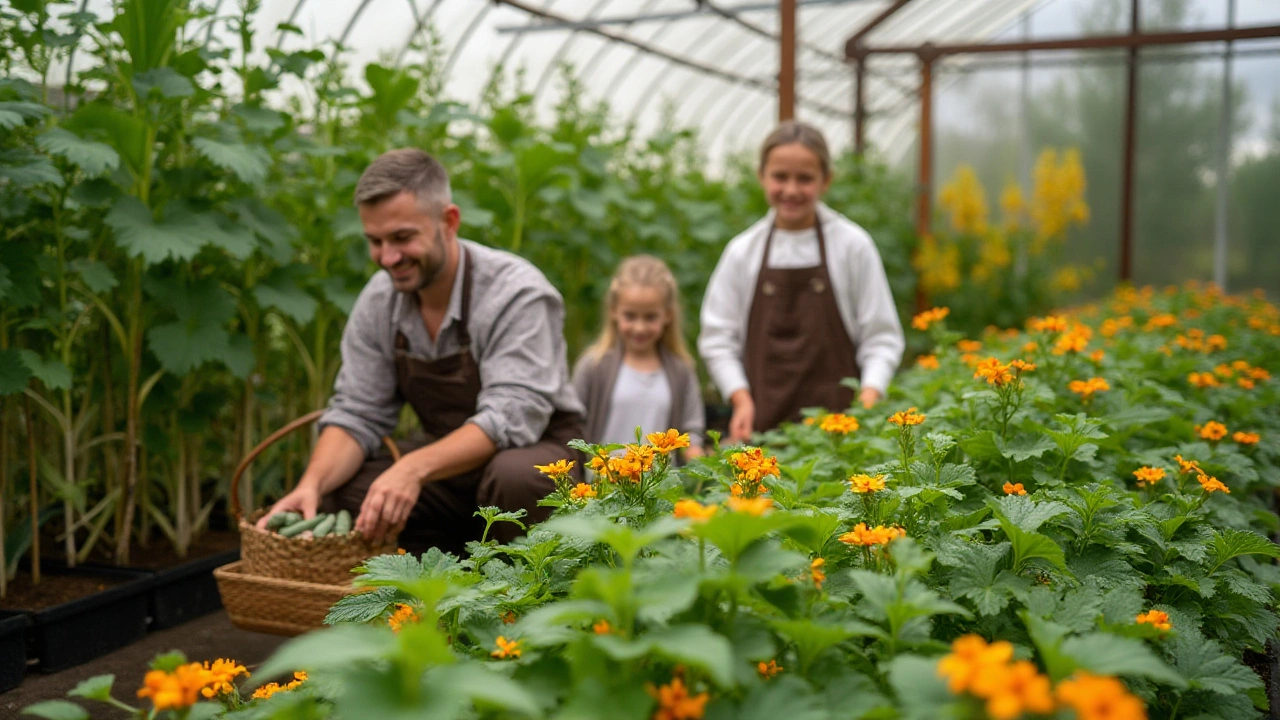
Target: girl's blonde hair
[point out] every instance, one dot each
(794, 131)
(644, 271)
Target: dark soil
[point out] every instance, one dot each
(206, 638)
(159, 554)
(53, 590)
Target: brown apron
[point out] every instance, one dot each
(797, 350)
(443, 394)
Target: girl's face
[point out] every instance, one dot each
(641, 315)
(793, 183)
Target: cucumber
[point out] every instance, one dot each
(325, 526)
(343, 524)
(301, 526)
(281, 519)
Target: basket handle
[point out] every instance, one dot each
(236, 510)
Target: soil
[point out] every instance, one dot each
(205, 638)
(53, 590)
(160, 553)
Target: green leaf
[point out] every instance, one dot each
(96, 275)
(921, 691)
(1024, 448)
(164, 81)
(485, 687)
(14, 372)
(141, 236)
(786, 696)
(52, 372)
(260, 120)
(92, 157)
(124, 132)
(1029, 545)
(249, 163)
(734, 532)
(27, 170)
(362, 607)
(56, 710)
(279, 291)
(14, 113)
(1107, 654)
(696, 645)
(95, 688)
(1229, 543)
(1026, 513)
(811, 530)
(334, 648)
(1206, 667)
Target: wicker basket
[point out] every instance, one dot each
(272, 605)
(327, 560)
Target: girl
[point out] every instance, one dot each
(799, 301)
(638, 372)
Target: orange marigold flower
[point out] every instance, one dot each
(1148, 476)
(1014, 489)
(1075, 340)
(675, 702)
(838, 424)
(1216, 342)
(637, 461)
(1096, 697)
(1097, 355)
(1223, 370)
(1188, 466)
(1203, 380)
(929, 317)
(506, 648)
(928, 362)
(1022, 366)
(751, 506)
(971, 359)
(1212, 484)
(994, 372)
(1240, 365)
(270, 689)
(178, 689)
(816, 571)
(1246, 438)
(864, 536)
(1050, 324)
(665, 442)
(1212, 430)
(602, 627)
(862, 484)
(1031, 347)
(559, 468)
(222, 672)
(751, 466)
(1158, 619)
(1259, 374)
(508, 618)
(582, 491)
(969, 346)
(1014, 689)
(1086, 388)
(972, 657)
(907, 417)
(768, 669)
(695, 510)
(404, 615)
(1163, 320)
(1246, 383)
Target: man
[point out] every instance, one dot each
(472, 338)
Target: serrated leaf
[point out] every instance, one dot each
(165, 81)
(14, 373)
(181, 348)
(56, 710)
(1024, 447)
(96, 275)
(786, 696)
(260, 120)
(1108, 654)
(338, 647)
(27, 170)
(282, 293)
(16, 112)
(1026, 513)
(920, 689)
(361, 607)
(140, 235)
(52, 373)
(485, 688)
(95, 688)
(1206, 667)
(249, 163)
(1030, 545)
(1229, 543)
(92, 157)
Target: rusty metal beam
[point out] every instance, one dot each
(860, 105)
(787, 60)
(1129, 150)
(924, 198)
(854, 43)
(1099, 42)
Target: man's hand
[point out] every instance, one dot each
(869, 397)
(390, 500)
(744, 416)
(304, 499)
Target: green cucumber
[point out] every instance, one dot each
(301, 526)
(343, 525)
(325, 526)
(281, 519)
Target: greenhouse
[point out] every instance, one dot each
(652, 359)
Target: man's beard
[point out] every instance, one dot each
(428, 268)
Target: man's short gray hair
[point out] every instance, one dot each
(411, 169)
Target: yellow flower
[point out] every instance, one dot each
(582, 491)
(923, 320)
(178, 689)
(1212, 484)
(1014, 489)
(1097, 355)
(969, 346)
(270, 689)
(1148, 476)
(675, 702)
(751, 506)
(1212, 431)
(928, 362)
(863, 484)
(404, 615)
(938, 266)
(694, 510)
(972, 657)
(1014, 689)
(1188, 466)
(668, 441)
(1216, 342)
(223, 672)
(965, 202)
(1095, 697)
(751, 466)
(1162, 320)
(816, 571)
(863, 536)
(1013, 204)
(637, 461)
(768, 669)
(1156, 618)
(838, 424)
(559, 468)
(1086, 388)
(1050, 324)
(602, 627)
(1203, 380)
(1031, 347)
(907, 418)
(994, 372)
(1246, 438)
(506, 648)
(1074, 340)
(1057, 201)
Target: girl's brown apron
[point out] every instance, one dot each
(797, 350)
(443, 394)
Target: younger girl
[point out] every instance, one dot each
(799, 301)
(638, 373)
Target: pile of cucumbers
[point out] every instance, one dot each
(290, 524)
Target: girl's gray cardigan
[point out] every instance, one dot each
(594, 380)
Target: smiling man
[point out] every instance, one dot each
(472, 338)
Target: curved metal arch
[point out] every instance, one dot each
(549, 69)
(293, 15)
(584, 75)
(510, 49)
(419, 22)
(208, 35)
(650, 91)
(71, 56)
(466, 35)
(355, 15)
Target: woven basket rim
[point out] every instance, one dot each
(235, 570)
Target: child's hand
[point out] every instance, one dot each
(743, 418)
(694, 451)
(869, 397)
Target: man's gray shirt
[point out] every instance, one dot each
(517, 338)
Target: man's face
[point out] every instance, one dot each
(407, 241)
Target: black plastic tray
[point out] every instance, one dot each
(13, 649)
(187, 591)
